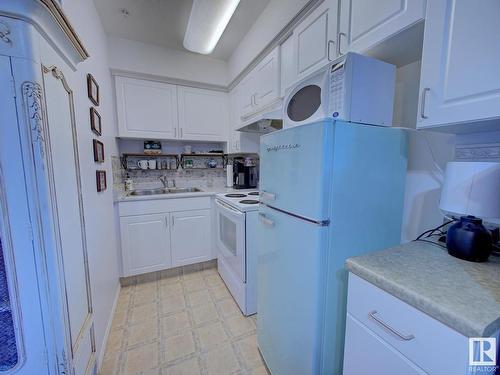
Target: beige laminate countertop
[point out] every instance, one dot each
(463, 295)
(124, 197)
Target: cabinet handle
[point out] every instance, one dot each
(172, 219)
(175, 132)
(166, 221)
(422, 102)
(181, 133)
(339, 36)
(265, 220)
(372, 315)
(330, 43)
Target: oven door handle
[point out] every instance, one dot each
(225, 206)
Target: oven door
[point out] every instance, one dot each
(231, 239)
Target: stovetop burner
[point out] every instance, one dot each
(235, 195)
(254, 193)
(249, 201)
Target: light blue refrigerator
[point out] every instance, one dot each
(329, 190)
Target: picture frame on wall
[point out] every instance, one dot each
(95, 121)
(92, 89)
(98, 151)
(100, 180)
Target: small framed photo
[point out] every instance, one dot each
(92, 89)
(98, 151)
(100, 180)
(95, 121)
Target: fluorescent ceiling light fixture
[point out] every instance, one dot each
(207, 22)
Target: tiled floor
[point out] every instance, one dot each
(183, 324)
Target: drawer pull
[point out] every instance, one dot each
(373, 316)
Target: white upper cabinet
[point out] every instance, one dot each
(460, 77)
(366, 23)
(191, 237)
(267, 79)
(261, 87)
(203, 114)
(288, 65)
(314, 39)
(146, 109)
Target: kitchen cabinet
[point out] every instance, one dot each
(366, 23)
(288, 65)
(203, 114)
(157, 110)
(145, 243)
(146, 109)
(314, 39)
(191, 237)
(396, 338)
(261, 87)
(460, 80)
(159, 234)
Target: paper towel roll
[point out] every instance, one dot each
(229, 175)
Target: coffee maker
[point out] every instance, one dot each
(245, 173)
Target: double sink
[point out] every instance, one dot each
(141, 192)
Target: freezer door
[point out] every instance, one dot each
(296, 167)
(291, 260)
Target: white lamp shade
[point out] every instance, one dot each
(207, 22)
(472, 188)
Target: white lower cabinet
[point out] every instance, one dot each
(145, 243)
(161, 234)
(191, 237)
(366, 353)
(385, 335)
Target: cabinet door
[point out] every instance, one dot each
(288, 65)
(191, 237)
(365, 23)
(247, 95)
(267, 80)
(145, 243)
(146, 109)
(366, 353)
(460, 80)
(315, 38)
(203, 114)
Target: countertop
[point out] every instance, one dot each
(463, 295)
(122, 196)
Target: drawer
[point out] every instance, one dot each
(156, 206)
(433, 346)
(366, 353)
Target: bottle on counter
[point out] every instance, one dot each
(129, 183)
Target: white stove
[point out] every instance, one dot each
(243, 201)
(237, 215)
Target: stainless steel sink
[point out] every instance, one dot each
(183, 190)
(141, 192)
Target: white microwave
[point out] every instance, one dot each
(353, 88)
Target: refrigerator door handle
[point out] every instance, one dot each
(265, 220)
(267, 196)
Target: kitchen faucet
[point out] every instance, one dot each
(164, 181)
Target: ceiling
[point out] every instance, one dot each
(164, 22)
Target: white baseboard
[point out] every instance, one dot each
(100, 358)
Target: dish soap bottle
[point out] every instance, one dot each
(129, 184)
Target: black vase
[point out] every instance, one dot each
(469, 240)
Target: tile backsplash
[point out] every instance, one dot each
(200, 178)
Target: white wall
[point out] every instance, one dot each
(145, 58)
(272, 20)
(98, 207)
(423, 179)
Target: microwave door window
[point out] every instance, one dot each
(304, 103)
